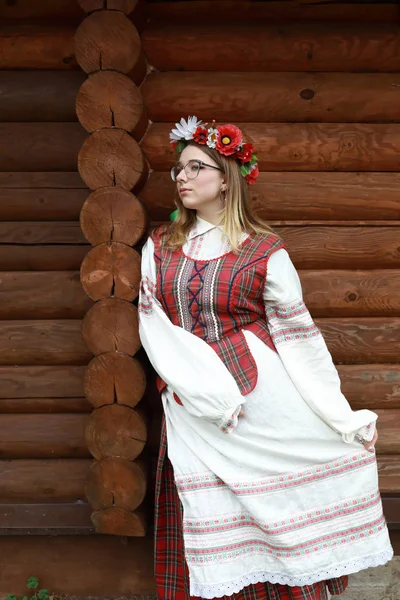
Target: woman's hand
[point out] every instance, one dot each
(371, 445)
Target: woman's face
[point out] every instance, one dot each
(204, 192)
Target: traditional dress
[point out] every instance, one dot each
(283, 495)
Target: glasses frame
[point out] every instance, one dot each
(201, 164)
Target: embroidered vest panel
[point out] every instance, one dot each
(218, 299)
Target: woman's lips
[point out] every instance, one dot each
(184, 191)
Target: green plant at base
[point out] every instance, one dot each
(32, 584)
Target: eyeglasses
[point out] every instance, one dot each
(192, 169)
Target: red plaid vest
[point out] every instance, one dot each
(217, 299)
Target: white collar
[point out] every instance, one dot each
(200, 227)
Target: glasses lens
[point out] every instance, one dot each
(192, 169)
(174, 173)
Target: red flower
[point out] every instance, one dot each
(174, 145)
(200, 135)
(229, 138)
(252, 176)
(245, 154)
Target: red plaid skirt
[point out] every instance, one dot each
(171, 573)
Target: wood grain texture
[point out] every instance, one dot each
(363, 340)
(48, 9)
(339, 293)
(85, 557)
(303, 196)
(32, 45)
(227, 11)
(116, 482)
(273, 97)
(43, 436)
(52, 295)
(44, 405)
(42, 519)
(371, 386)
(58, 180)
(49, 257)
(113, 214)
(109, 99)
(29, 96)
(41, 204)
(301, 146)
(318, 247)
(112, 325)
(41, 381)
(41, 232)
(112, 378)
(107, 39)
(125, 6)
(47, 342)
(110, 270)
(388, 472)
(117, 521)
(40, 146)
(263, 47)
(57, 480)
(115, 431)
(111, 157)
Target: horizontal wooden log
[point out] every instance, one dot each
(47, 9)
(43, 436)
(328, 247)
(116, 482)
(43, 381)
(302, 196)
(112, 325)
(114, 377)
(47, 232)
(40, 146)
(388, 429)
(116, 521)
(125, 6)
(43, 480)
(227, 11)
(339, 293)
(111, 157)
(301, 146)
(56, 557)
(29, 96)
(375, 340)
(274, 97)
(41, 204)
(58, 180)
(109, 99)
(36, 519)
(115, 431)
(42, 258)
(52, 295)
(48, 342)
(371, 386)
(388, 472)
(194, 46)
(37, 46)
(113, 214)
(111, 270)
(107, 40)
(44, 405)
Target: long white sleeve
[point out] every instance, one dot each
(183, 360)
(304, 353)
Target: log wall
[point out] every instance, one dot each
(50, 280)
(311, 90)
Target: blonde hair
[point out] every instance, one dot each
(236, 218)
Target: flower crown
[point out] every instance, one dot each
(226, 139)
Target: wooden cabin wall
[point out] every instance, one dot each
(44, 459)
(315, 87)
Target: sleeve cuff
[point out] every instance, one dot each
(364, 434)
(227, 425)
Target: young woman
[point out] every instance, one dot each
(267, 482)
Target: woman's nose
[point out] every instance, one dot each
(181, 175)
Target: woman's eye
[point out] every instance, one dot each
(194, 167)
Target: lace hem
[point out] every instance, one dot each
(218, 590)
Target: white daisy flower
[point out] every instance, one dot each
(212, 137)
(184, 129)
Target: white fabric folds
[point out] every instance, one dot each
(288, 495)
